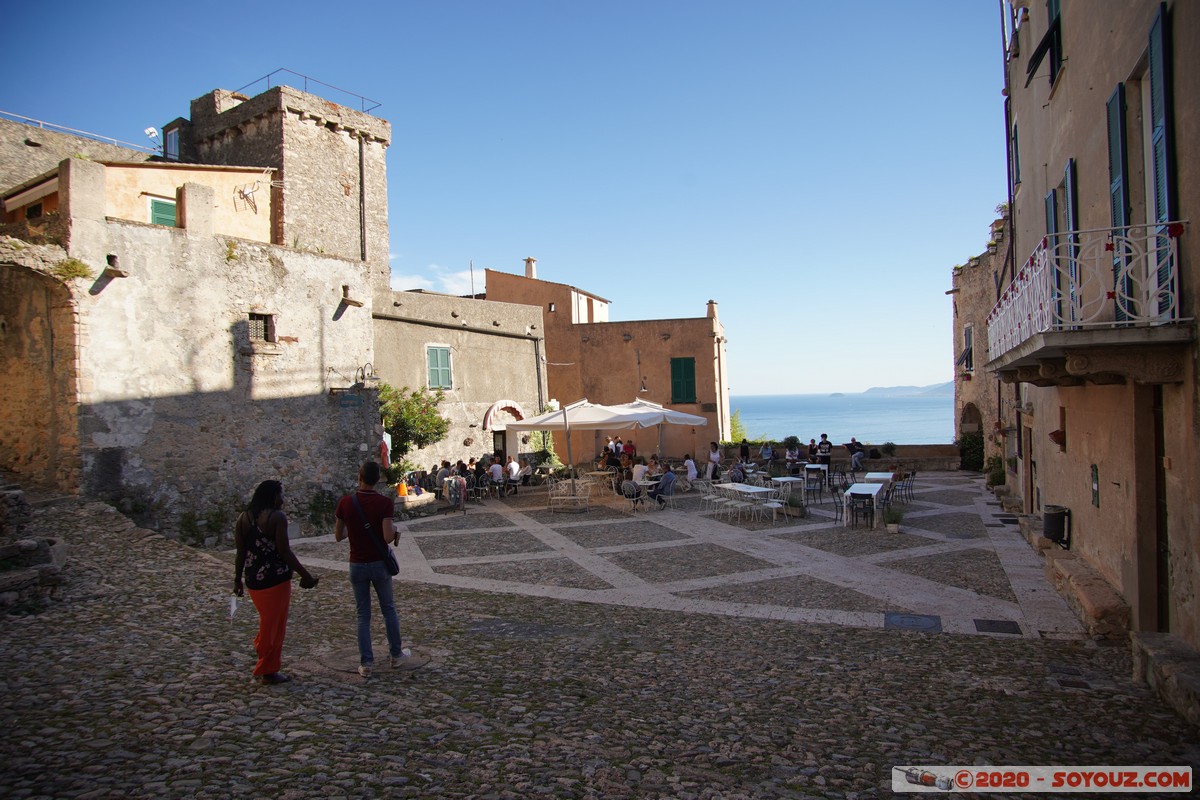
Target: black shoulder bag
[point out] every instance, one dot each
(389, 557)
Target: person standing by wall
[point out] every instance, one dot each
(367, 568)
(825, 452)
(266, 561)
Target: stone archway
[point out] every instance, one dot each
(38, 363)
(970, 420)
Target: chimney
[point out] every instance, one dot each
(712, 309)
(531, 268)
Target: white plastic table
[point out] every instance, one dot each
(876, 490)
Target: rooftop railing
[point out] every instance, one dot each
(1101, 278)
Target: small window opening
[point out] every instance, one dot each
(262, 328)
(552, 306)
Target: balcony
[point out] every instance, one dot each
(1100, 306)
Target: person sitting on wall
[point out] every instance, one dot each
(857, 454)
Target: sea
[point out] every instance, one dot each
(869, 417)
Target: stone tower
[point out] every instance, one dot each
(330, 160)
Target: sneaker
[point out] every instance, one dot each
(405, 660)
(364, 670)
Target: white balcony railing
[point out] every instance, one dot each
(1104, 278)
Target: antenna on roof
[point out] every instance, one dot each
(152, 135)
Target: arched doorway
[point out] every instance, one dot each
(496, 419)
(970, 420)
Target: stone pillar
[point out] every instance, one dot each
(81, 189)
(194, 209)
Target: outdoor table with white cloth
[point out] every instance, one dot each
(746, 489)
(878, 477)
(876, 490)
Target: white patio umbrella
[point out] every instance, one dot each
(646, 410)
(583, 415)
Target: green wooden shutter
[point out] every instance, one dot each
(1071, 220)
(439, 367)
(1052, 249)
(162, 212)
(1163, 157)
(1056, 54)
(1118, 199)
(683, 380)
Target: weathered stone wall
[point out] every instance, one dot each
(973, 295)
(38, 362)
(27, 152)
(331, 161)
(180, 413)
(495, 350)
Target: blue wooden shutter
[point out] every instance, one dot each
(1163, 157)
(1118, 200)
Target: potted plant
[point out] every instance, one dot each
(891, 518)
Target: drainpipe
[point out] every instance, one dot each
(362, 196)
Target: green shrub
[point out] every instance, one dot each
(970, 451)
(995, 471)
(71, 268)
(888, 449)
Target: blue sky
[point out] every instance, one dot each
(815, 168)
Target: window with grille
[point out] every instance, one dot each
(262, 328)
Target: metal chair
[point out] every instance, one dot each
(838, 495)
(813, 485)
(862, 505)
(633, 493)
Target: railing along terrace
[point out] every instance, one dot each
(1101, 278)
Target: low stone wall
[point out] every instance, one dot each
(1172, 669)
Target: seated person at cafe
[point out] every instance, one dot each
(690, 466)
(766, 454)
(737, 473)
(639, 469)
(792, 459)
(664, 487)
(525, 473)
(612, 460)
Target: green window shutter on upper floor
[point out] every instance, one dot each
(162, 212)
(683, 380)
(439, 367)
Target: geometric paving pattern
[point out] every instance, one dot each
(947, 570)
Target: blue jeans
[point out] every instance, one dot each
(856, 460)
(362, 578)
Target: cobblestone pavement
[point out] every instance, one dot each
(662, 655)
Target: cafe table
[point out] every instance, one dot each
(878, 477)
(877, 492)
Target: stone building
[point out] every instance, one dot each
(179, 329)
(486, 357)
(678, 363)
(1096, 317)
(977, 394)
